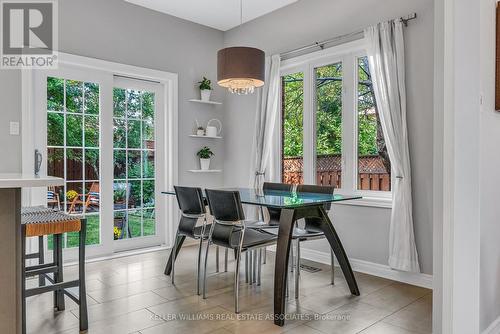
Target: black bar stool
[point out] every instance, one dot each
(39, 222)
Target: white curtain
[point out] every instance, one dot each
(386, 60)
(265, 121)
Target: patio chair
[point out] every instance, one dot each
(53, 198)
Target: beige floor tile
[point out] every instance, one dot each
(350, 318)
(207, 321)
(416, 317)
(124, 290)
(303, 330)
(384, 328)
(132, 295)
(188, 305)
(122, 306)
(127, 323)
(47, 321)
(395, 296)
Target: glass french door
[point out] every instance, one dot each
(101, 134)
(136, 168)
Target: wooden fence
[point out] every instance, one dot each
(372, 173)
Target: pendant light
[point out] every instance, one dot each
(241, 69)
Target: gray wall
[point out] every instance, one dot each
(118, 31)
(10, 111)
(363, 229)
(490, 164)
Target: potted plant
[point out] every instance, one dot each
(205, 154)
(205, 89)
(200, 131)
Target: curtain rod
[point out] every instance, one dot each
(322, 44)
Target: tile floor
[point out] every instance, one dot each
(131, 295)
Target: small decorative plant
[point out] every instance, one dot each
(205, 154)
(205, 84)
(71, 194)
(205, 89)
(200, 131)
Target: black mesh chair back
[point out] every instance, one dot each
(190, 200)
(227, 210)
(274, 214)
(192, 207)
(225, 205)
(277, 186)
(309, 188)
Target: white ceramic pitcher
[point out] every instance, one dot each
(213, 131)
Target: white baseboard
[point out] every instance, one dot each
(371, 268)
(494, 328)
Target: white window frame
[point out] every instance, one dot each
(348, 54)
(169, 85)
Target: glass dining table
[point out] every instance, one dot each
(294, 206)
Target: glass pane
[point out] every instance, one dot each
(74, 96)
(55, 197)
(92, 131)
(134, 134)
(120, 195)
(148, 189)
(119, 133)
(118, 102)
(134, 164)
(55, 162)
(55, 94)
(74, 131)
(92, 164)
(329, 124)
(55, 129)
(374, 166)
(93, 233)
(148, 105)
(148, 164)
(133, 103)
(92, 197)
(292, 128)
(148, 135)
(120, 164)
(148, 221)
(134, 223)
(135, 200)
(91, 98)
(93, 230)
(120, 225)
(74, 197)
(74, 165)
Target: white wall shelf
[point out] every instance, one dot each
(205, 171)
(205, 102)
(208, 137)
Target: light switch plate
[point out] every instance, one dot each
(14, 128)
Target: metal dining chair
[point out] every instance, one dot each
(311, 231)
(228, 230)
(192, 208)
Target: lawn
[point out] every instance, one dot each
(93, 229)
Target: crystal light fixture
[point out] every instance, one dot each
(241, 69)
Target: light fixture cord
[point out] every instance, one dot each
(241, 12)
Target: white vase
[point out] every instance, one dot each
(205, 94)
(205, 164)
(200, 132)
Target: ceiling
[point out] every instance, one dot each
(218, 14)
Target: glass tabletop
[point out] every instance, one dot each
(284, 199)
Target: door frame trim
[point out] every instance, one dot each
(168, 80)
